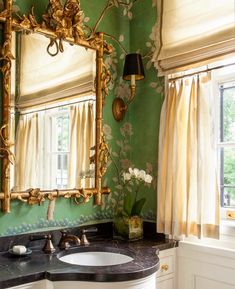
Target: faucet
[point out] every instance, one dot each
(84, 240)
(48, 248)
(66, 239)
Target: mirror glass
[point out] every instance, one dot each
(53, 115)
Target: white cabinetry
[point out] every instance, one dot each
(166, 273)
(205, 267)
(143, 283)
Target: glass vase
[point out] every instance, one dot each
(128, 228)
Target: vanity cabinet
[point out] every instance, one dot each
(144, 283)
(204, 267)
(166, 273)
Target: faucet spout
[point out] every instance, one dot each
(66, 240)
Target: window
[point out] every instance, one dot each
(53, 146)
(227, 144)
(57, 146)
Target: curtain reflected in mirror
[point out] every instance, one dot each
(54, 116)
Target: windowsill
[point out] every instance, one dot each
(227, 230)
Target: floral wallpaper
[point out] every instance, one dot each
(133, 142)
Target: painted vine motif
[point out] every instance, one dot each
(120, 161)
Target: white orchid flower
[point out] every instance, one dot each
(136, 173)
(126, 176)
(131, 171)
(142, 175)
(148, 179)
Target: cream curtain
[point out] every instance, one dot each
(188, 195)
(82, 138)
(193, 31)
(27, 152)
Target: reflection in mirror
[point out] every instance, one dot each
(54, 116)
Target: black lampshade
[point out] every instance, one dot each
(133, 66)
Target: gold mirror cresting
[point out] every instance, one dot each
(61, 23)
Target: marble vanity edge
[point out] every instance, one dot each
(65, 272)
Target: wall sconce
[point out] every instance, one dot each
(133, 70)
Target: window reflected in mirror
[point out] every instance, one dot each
(54, 115)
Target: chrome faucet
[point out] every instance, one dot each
(66, 240)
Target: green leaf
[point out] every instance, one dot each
(127, 204)
(137, 207)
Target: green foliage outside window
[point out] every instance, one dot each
(229, 136)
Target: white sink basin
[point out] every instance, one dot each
(95, 258)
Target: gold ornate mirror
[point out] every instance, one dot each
(54, 84)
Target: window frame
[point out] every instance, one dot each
(222, 143)
(51, 152)
(220, 77)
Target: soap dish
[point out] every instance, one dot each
(28, 252)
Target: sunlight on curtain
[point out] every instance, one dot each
(188, 194)
(82, 132)
(28, 139)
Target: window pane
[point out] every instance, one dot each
(229, 196)
(59, 162)
(229, 114)
(65, 162)
(62, 171)
(62, 126)
(229, 166)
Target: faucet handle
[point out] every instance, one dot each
(37, 237)
(84, 240)
(90, 230)
(48, 248)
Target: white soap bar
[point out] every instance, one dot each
(19, 249)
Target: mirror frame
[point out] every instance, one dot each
(57, 28)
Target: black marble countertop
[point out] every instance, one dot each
(16, 270)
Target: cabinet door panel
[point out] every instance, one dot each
(166, 284)
(166, 266)
(204, 283)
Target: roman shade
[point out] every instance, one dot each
(45, 79)
(193, 32)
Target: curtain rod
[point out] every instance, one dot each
(205, 70)
(57, 106)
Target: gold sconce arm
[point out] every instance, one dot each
(133, 70)
(119, 106)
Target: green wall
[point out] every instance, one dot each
(132, 142)
(145, 110)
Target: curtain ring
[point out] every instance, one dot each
(51, 44)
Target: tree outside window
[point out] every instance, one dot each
(227, 145)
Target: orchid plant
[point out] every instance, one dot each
(135, 178)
